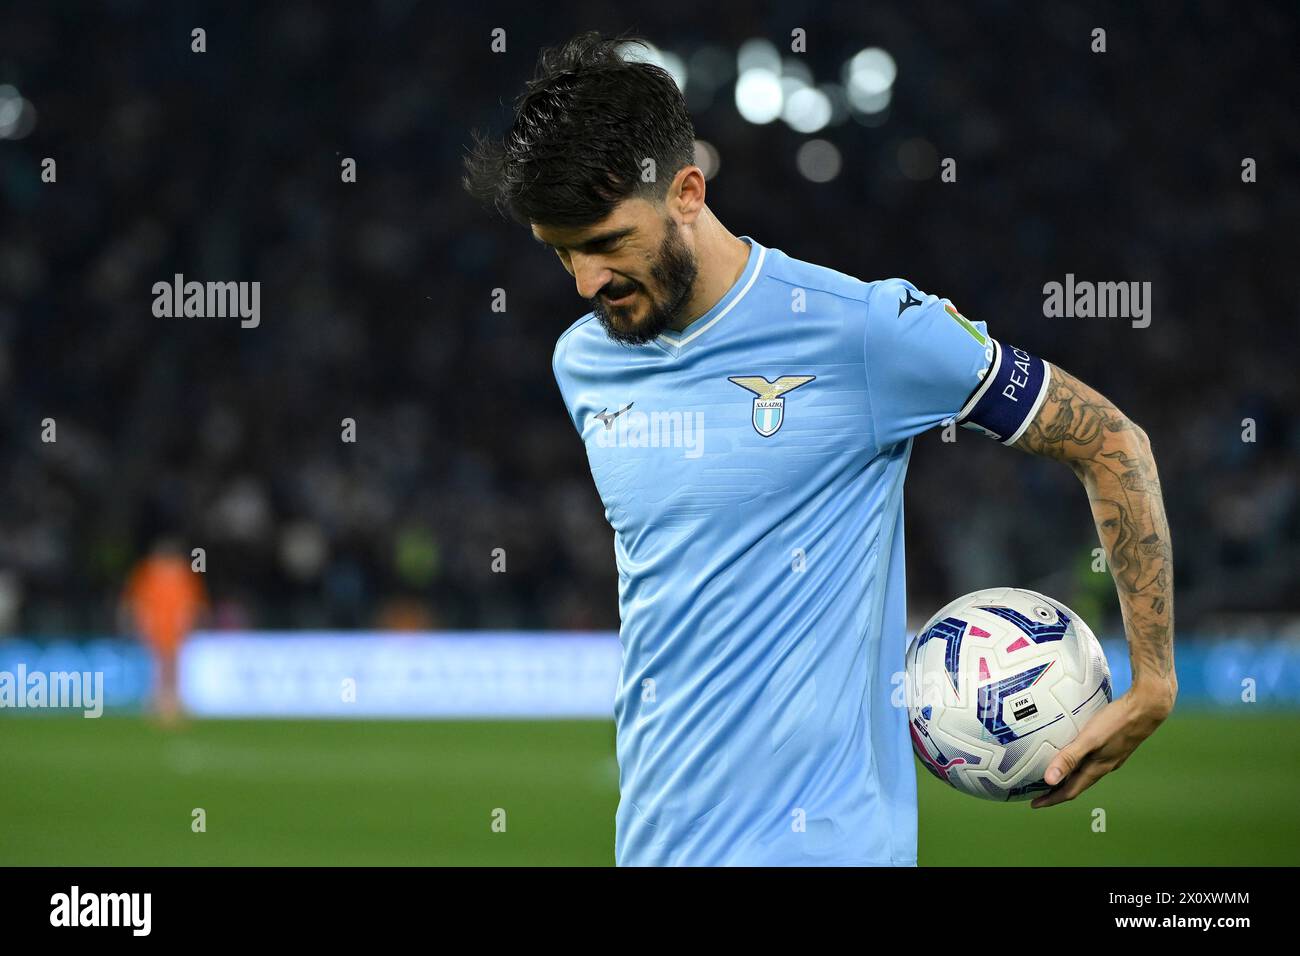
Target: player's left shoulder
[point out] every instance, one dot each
(810, 277)
(897, 309)
(858, 299)
(898, 298)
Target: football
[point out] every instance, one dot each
(997, 683)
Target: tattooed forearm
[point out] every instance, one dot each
(1112, 457)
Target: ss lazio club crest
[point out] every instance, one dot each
(769, 406)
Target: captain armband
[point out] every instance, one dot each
(1010, 396)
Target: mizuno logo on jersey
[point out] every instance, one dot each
(769, 406)
(907, 303)
(607, 419)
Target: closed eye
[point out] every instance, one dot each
(597, 246)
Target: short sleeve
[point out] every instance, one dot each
(924, 360)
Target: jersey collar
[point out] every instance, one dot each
(738, 290)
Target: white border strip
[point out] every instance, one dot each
(989, 376)
(762, 254)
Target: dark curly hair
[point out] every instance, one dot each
(583, 128)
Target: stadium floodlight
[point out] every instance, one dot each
(758, 95)
(869, 79)
(707, 158)
(758, 54)
(807, 110)
(818, 160)
(17, 115)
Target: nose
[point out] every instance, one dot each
(590, 275)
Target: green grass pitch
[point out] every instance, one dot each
(1208, 789)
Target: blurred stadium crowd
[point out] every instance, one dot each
(376, 296)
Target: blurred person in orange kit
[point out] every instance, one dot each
(164, 599)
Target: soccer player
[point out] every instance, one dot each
(164, 599)
(748, 419)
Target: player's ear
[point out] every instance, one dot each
(686, 193)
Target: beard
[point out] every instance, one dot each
(673, 270)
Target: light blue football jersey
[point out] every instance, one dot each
(752, 469)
